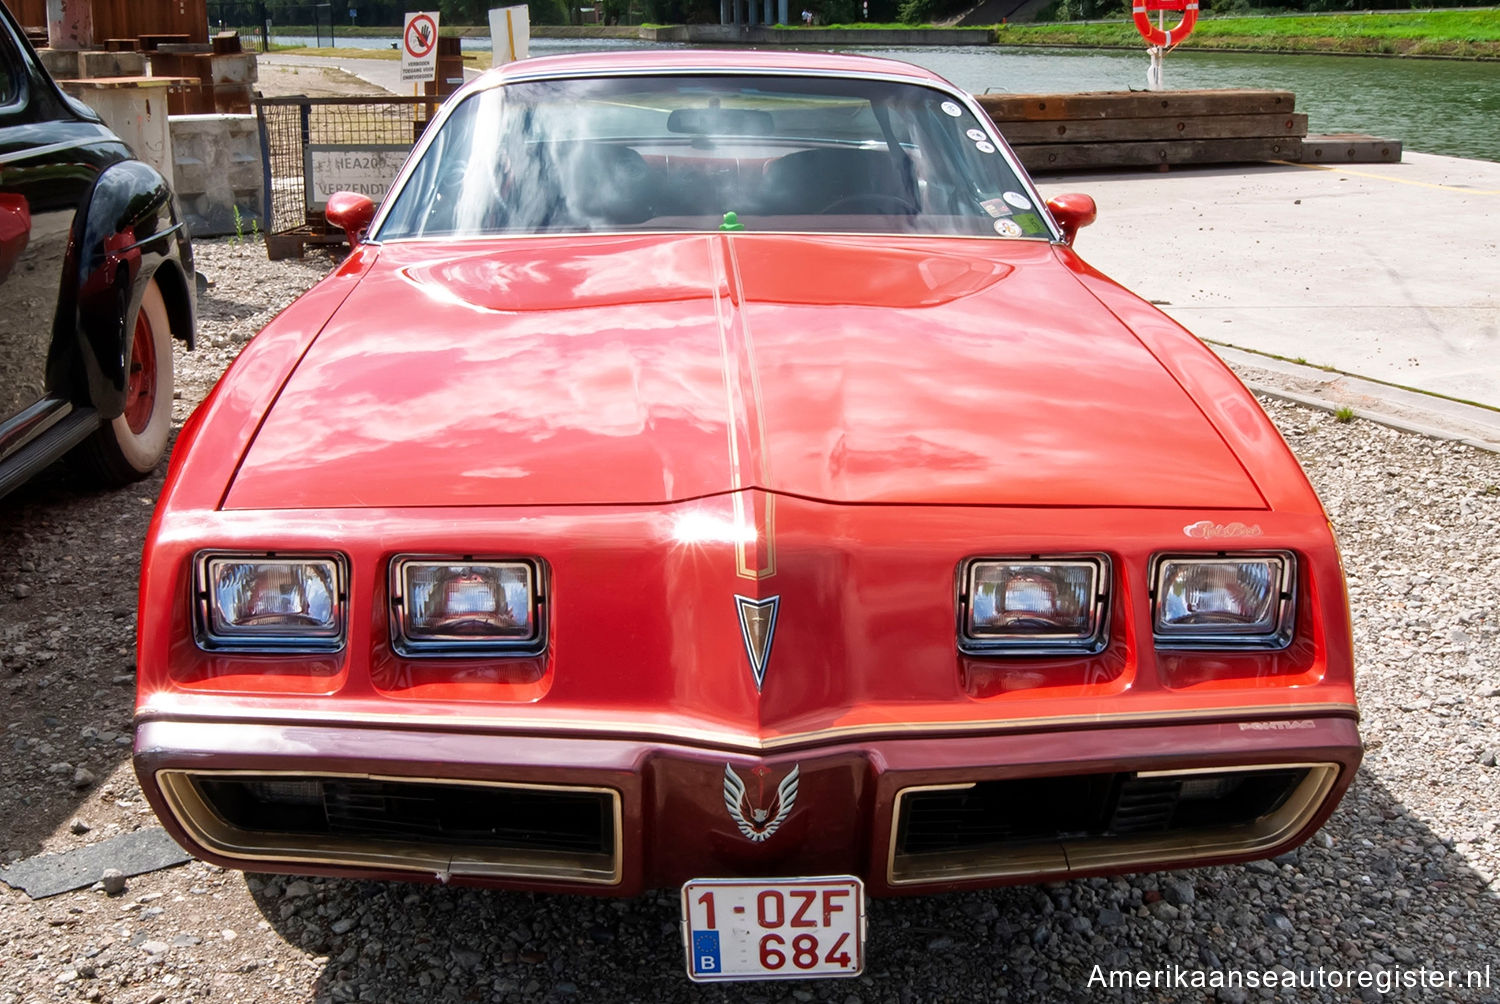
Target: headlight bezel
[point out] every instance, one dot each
(1195, 637)
(273, 641)
(466, 646)
(1014, 644)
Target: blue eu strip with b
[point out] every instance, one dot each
(705, 952)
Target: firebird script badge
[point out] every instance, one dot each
(759, 824)
(758, 628)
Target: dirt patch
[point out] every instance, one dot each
(313, 82)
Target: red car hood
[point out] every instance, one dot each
(648, 369)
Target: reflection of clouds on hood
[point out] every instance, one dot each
(612, 271)
(488, 402)
(1002, 386)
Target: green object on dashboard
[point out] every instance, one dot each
(731, 222)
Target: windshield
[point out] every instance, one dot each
(816, 154)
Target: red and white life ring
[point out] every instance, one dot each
(1171, 36)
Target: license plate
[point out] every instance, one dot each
(774, 929)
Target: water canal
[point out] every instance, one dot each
(1432, 105)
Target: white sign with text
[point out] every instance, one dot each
(368, 170)
(419, 46)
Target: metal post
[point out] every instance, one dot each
(70, 24)
(781, 12)
(723, 11)
(768, 12)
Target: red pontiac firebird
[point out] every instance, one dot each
(722, 473)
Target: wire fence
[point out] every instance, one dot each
(315, 146)
(257, 17)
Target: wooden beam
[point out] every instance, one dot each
(1133, 104)
(1184, 127)
(1350, 148)
(1082, 156)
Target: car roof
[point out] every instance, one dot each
(712, 60)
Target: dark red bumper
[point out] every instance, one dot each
(674, 812)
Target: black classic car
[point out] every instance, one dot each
(96, 279)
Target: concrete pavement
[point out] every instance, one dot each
(1389, 272)
(384, 73)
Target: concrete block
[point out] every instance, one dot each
(218, 170)
(62, 64)
(135, 109)
(235, 68)
(112, 64)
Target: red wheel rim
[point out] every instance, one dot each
(140, 387)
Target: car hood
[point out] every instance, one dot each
(651, 369)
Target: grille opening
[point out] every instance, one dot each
(486, 829)
(1086, 806)
(452, 815)
(1062, 824)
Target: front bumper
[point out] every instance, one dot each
(617, 816)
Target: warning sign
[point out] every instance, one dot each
(419, 46)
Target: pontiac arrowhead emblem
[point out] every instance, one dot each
(759, 823)
(758, 628)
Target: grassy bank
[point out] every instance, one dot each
(1463, 33)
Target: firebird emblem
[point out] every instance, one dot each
(758, 628)
(759, 824)
(1207, 529)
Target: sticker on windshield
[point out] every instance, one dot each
(1008, 228)
(977, 135)
(952, 109)
(1018, 200)
(1030, 222)
(984, 147)
(995, 207)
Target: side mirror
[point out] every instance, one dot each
(1072, 212)
(352, 213)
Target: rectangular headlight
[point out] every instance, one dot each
(1034, 605)
(1218, 601)
(270, 601)
(458, 606)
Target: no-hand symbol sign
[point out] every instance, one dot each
(419, 46)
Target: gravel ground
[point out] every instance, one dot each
(1401, 878)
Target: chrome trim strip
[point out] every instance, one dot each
(621, 731)
(1064, 857)
(208, 829)
(28, 153)
(168, 232)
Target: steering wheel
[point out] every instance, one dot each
(872, 202)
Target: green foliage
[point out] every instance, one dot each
(547, 12)
(1344, 414)
(912, 12)
(681, 11)
(915, 11)
(836, 11)
(1447, 32)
